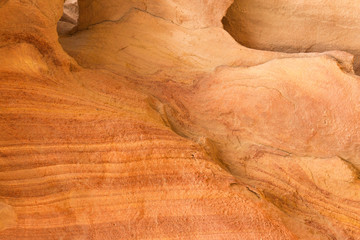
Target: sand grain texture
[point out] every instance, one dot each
(149, 121)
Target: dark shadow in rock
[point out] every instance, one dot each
(68, 23)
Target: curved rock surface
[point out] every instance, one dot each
(152, 122)
(296, 26)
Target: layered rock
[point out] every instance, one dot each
(296, 26)
(161, 126)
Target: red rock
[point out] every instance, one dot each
(151, 122)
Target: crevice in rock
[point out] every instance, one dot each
(68, 23)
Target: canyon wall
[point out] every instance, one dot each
(148, 120)
(296, 26)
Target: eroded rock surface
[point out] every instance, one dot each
(296, 26)
(152, 122)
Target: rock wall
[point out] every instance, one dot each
(152, 122)
(296, 26)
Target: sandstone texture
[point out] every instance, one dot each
(151, 120)
(296, 26)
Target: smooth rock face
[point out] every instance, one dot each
(151, 122)
(296, 26)
(187, 13)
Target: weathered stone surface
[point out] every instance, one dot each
(151, 122)
(187, 13)
(296, 26)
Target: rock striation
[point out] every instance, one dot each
(147, 120)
